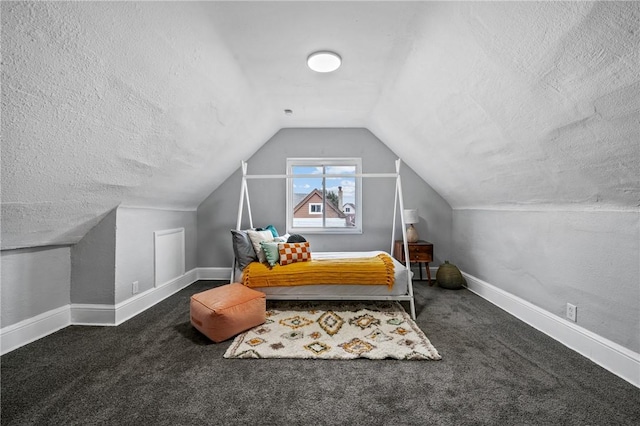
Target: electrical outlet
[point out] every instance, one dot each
(572, 312)
(134, 287)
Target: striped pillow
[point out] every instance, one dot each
(294, 252)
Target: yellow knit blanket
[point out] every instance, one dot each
(377, 270)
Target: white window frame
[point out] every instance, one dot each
(326, 162)
(312, 211)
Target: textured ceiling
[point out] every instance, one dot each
(496, 105)
(519, 104)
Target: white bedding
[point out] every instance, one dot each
(342, 291)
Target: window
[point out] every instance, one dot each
(315, 208)
(323, 195)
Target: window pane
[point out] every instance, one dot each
(307, 198)
(340, 170)
(341, 193)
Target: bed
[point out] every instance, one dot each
(399, 286)
(400, 289)
(339, 291)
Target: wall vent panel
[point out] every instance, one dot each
(169, 257)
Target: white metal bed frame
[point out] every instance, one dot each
(398, 205)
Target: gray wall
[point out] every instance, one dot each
(135, 245)
(120, 250)
(34, 281)
(93, 264)
(217, 214)
(549, 258)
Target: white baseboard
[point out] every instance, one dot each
(86, 314)
(92, 314)
(27, 331)
(609, 355)
(143, 301)
(214, 273)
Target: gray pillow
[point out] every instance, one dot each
(242, 248)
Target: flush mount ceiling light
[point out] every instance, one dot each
(324, 61)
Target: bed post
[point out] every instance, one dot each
(244, 192)
(400, 201)
(395, 210)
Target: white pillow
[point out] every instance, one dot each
(282, 238)
(256, 237)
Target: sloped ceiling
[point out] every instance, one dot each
(154, 104)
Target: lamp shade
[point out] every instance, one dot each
(411, 216)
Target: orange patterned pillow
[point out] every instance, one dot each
(294, 252)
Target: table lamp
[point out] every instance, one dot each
(411, 217)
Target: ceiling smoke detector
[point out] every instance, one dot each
(324, 61)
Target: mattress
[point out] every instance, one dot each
(343, 291)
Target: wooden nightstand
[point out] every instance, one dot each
(420, 252)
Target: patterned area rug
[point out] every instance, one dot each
(319, 330)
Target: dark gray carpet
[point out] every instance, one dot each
(156, 369)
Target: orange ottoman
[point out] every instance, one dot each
(225, 311)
